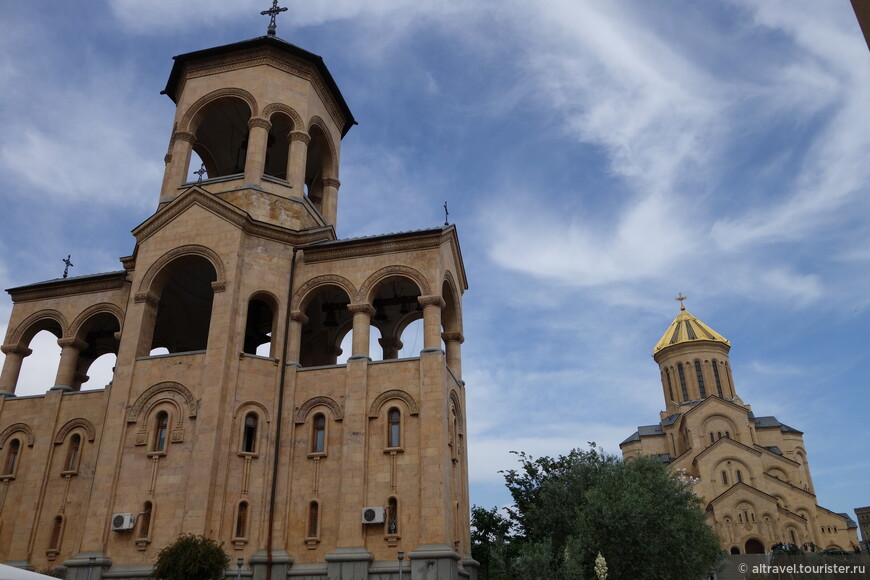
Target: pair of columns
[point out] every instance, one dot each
(178, 164)
(362, 318)
(66, 379)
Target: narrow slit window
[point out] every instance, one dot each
(393, 516)
(725, 477)
(318, 438)
(718, 380)
(72, 453)
(700, 376)
(313, 519)
(12, 457)
(145, 520)
(739, 476)
(242, 520)
(56, 528)
(394, 421)
(683, 381)
(249, 435)
(161, 431)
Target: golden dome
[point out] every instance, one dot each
(687, 328)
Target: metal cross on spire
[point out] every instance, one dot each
(201, 171)
(274, 11)
(680, 299)
(446, 213)
(69, 265)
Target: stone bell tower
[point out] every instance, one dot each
(232, 412)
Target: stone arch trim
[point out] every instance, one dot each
(198, 106)
(188, 250)
(272, 108)
(331, 168)
(75, 424)
(300, 297)
(321, 401)
(246, 406)
(17, 428)
(381, 400)
(457, 403)
(106, 307)
(22, 329)
(169, 388)
(363, 296)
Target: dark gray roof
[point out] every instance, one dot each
(773, 449)
(671, 419)
(647, 430)
(633, 437)
(70, 280)
(771, 421)
(375, 237)
(850, 523)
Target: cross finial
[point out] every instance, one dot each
(69, 265)
(274, 11)
(446, 213)
(680, 299)
(201, 171)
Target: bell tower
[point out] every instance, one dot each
(266, 119)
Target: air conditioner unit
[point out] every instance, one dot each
(121, 522)
(373, 515)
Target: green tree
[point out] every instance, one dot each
(191, 557)
(490, 540)
(639, 514)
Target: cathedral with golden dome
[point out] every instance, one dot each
(750, 471)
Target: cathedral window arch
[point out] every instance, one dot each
(318, 434)
(683, 386)
(716, 377)
(250, 433)
(325, 321)
(160, 435)
(218, 129)
(12, 459)
(394, 428)
(699, 375)
(73, 454)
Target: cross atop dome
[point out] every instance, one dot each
(680, 298)
(274, 11)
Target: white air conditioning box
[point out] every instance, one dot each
(373, 515)
(121, 522)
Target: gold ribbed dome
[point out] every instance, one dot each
(687, 328)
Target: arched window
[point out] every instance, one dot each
(318, 434)
(162, 428)
(793, 537)
(145, 520)
(12, 457)
(739, 476)
(56, 529)
(725, 477)
(313, 519)
(716, 376)
(242, 520)
(258, 329)
(249, 434)
(392, 516)
(700, 376)
(394, 428)
(739, 518)
(683, 381)
(670, 388)
(712, 440)
(718, 434)
(72, 453)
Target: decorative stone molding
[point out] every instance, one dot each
(184, 136)
(362, 307)
(90, 431)
(217, 287)
(404, 396)
(107, 307)
(25, 325)
(17, 428)
(403, 271)
(273, 108)
(71, 341)
(321, 401)
(299, 316)
(171, 255)
(303, 294)
(69, 287)
(331, 182)
(197, 107)
(147, 297)
(453, 337)
(16, 349)
(300, 136)
(168, 388)
(431, 300)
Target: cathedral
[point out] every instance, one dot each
(751, 472)
(231, 413)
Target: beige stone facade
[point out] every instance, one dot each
(752, 471)
(230, 413)
(863, 515)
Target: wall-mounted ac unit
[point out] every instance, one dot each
(121, 522)
(373, 515)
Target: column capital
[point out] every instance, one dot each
(15, 349)
(431, 300)
(184, 136)
(331, 182)
(361, 307)
(453, 337)
(300, 136)
(259, 122)
(73, 342)
(299, 316)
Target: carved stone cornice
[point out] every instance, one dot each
(390, 243)
(361, 307)
(69, 287)
(431, 300)
(300, 136)
(72, 342)
(259, 122)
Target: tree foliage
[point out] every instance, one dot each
(191, 557)
(639, 514)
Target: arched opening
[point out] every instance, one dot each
(396, 307)
(242, 520)
(735, 550)
(318, 434)
(145, 520)
(161, 430)
(222, 137)
(753, 546)
(278, 147)
(56, 529)
(394, 427)
(316, 165)
(411, 339)
(101, 333)
(328, 321)
(259, 327)
(39, 369)
(392, 516)
(313, 519)
(183, 314)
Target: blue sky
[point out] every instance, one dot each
(598, 157)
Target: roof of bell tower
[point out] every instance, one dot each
(687, 328)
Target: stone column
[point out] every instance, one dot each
(12, 367)
(330, 200)
(177, 163)
(294, 338)
(432, 306)
(258, 140)
(69, 362)
(391, 345)
(453, 342)
(362, 319)
(297, 160)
